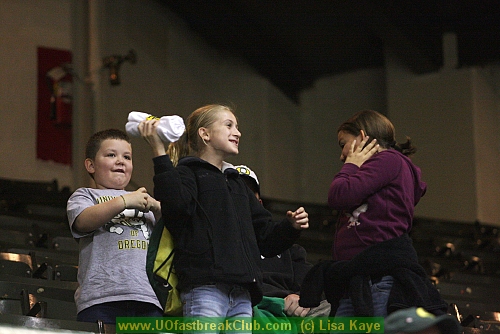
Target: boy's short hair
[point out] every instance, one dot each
(94, 142)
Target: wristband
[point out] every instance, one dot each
(124, 203)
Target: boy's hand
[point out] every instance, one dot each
(298, 218)
(137, 200)
(362, 153)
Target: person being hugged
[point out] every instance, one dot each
(220, 229)
(112, 227)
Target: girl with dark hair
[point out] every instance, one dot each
(376, 192)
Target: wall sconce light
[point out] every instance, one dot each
(114, 62)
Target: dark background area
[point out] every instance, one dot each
(295, 42)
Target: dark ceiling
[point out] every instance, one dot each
(295, 42)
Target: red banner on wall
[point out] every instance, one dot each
(55, 105)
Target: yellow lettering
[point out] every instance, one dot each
(366, 327)
(321, 325)
(256, 325)
(333, 326)
(133, 244)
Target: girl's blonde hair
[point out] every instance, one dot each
(190, 142)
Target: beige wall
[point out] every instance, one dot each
(25, 25)
(453, 118)
(332, 101)
(451, 115)
(441, 125)
(486, 116)
(176, 72)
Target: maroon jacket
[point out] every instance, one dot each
(377, 201)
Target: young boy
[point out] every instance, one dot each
(112, 227)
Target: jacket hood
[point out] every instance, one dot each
(420, 186)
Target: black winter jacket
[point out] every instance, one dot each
(395, 257)
(283, 274)
(219, 227)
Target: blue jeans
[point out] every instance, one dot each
(380, 295)
(217, 300)
(107, 312)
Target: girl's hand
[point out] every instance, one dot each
(154, 206)
(292, 307)
(298, 218)
(148, 130)
(362, 153)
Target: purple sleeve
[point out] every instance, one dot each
(353, 185)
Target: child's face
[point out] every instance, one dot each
(345, 142)
(224, 135)
(112, 165)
